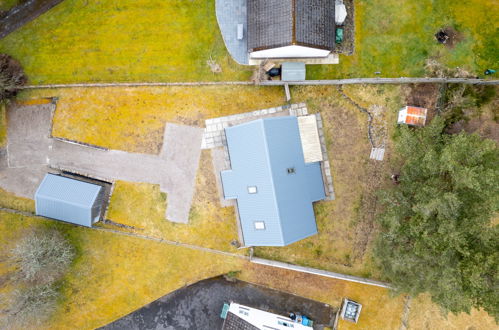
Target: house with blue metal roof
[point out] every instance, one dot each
(69, 200)
(273, 185)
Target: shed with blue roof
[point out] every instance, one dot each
(69, 200)
(273, 185)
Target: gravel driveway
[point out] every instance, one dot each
(198, 306)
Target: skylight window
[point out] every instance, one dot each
(259, 225)
(252, 190)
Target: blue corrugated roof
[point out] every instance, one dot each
(261, 152)
(66, 199)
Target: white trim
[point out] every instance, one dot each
(292, 51)
(265, 320)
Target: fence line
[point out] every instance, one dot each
(403, 80)
(319, 272)
(138, 84)
(252, 259)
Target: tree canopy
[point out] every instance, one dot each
(439, 228)
(11, 77)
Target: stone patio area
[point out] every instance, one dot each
(31, 153)
(214, 139)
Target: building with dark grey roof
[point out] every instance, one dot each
(290, 28)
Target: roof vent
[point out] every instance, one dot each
(291, 170)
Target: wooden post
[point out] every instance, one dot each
(288, 93)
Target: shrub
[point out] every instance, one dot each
(42, 256)
(30, 306)
(11, 77)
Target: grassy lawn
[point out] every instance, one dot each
(345, 226)
(11, 201)
(133, 119)
(133, 272)
(143, 206)
(130, 271)
(8, 4)
(123, 40)
(171, 40)
(136, 271)
(396, 37)
(426, 315)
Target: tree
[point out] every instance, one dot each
(11, 77)
(42, 256)
(437, 234)
(30, 306)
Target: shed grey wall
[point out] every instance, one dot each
(69, 200)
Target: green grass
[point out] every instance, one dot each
(171, 40)
(396, 37)
(7, 4)
(125, 40)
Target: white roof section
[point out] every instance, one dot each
(265, 320)
(377, 153)
(340, 12)
(412, 115)
(309, 135)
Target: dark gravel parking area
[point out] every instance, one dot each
(198, 306)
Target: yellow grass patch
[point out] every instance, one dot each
(379, 309)
(39, 101)
(340, 222)
(133, 119)
(426, 315)
(143, 206)
(11, 201)
(125, 40)
(116, 274)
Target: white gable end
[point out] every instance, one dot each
(293, 51)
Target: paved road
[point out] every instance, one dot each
(198, 306)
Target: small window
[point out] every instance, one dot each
(252, 190)
(291, 170)
(259, 225)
